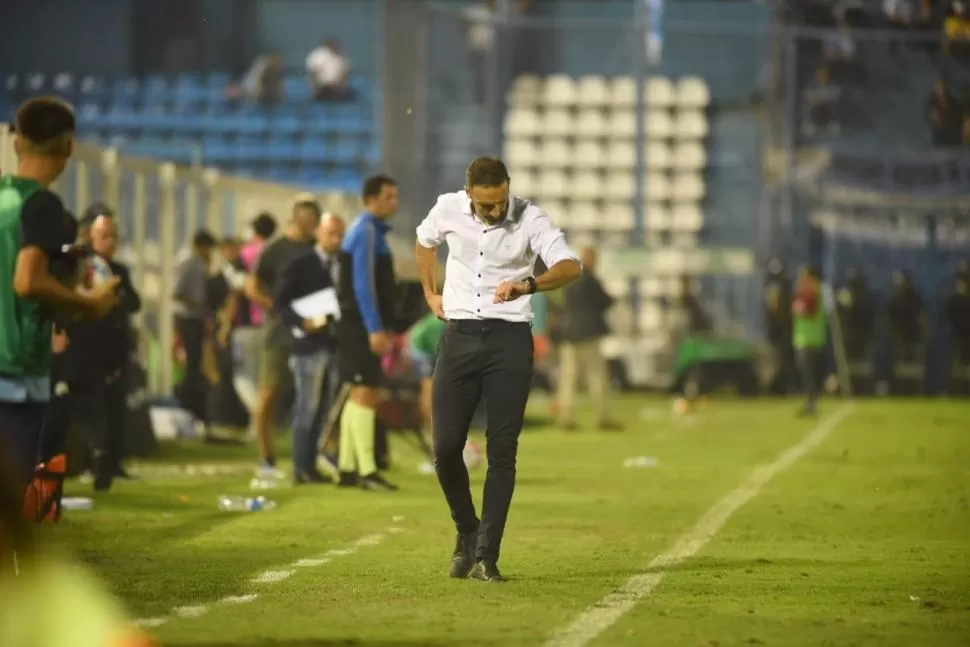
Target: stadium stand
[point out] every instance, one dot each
(189, 120)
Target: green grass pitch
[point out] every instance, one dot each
(865, 540)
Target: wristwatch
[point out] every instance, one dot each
(533, 286)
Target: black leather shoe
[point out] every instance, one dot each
(307, 478)
(487, 571)
(376, 483)
(463, 559)
(348, 479)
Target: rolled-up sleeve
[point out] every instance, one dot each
(429, 231)
(547, 240)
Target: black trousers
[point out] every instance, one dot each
(99, 410)
(808, 365)
(490, 359)
(192, 393)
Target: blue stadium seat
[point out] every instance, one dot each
(217, 152)
(281, 173)
(217, 80)
(285, 126)
(281, 150)
(248, 151)
(314, 149)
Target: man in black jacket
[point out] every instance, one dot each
(582, 331)
(313, 352)
(97, 358)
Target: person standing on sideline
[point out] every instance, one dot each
(275, 348)
(98, 353)
(191, 307)
(493, 240)
(34, 230)
(809, 335)
(367, 293)
(248, 336)
(584, 327)
(313, 360)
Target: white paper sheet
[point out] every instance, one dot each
(318, 305)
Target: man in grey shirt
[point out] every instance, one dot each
(191, 277)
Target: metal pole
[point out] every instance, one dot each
(788, 172)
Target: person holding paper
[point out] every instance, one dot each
(301, 304)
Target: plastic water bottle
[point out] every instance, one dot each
(245, 503)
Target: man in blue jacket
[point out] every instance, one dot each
(313, 352)
(367, 297)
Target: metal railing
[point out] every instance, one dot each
(158, 207)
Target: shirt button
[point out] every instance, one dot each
(479, 276)
(481, 253)
(478, 295)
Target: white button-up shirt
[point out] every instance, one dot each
(481, 256)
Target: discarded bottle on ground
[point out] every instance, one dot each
(245, 503)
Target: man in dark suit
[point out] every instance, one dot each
(313, 354)
(97, 358)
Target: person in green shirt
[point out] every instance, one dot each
(423, 339)
(35, 231)
(809, 334)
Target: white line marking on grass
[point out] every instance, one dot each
(311, 562)
(239, 599)
(150, 622)
(602, 615)
(196, 611)
(341, 552)
(272, 577)
(370, 540)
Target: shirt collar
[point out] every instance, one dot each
(322, 254)
(379, 223)
(514, 214)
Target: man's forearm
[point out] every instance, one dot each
(49, 290)
(427, 259)
(559, 275)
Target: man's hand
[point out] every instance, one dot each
(314, 325)
(510, 291)
(59, 342)
(380, 343)
(436, 305)
(104, 297)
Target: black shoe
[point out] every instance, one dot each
(487, 571)
(376, 483)
(463, 559)
(123, 474)
(307, 478)
(348, 479)
(102, 482)
(610, 425)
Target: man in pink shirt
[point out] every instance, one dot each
(263, 229)
(249, 335)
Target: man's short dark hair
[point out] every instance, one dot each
(307, 202)
(264, 225)
(94, 211)
(46, 125)
(375, 184)
(486, 171)
(203, 238)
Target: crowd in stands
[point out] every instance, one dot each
(327, 70)
(839, 92)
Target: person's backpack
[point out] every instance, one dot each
(42, 500)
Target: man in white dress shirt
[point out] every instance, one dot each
(493, 240)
